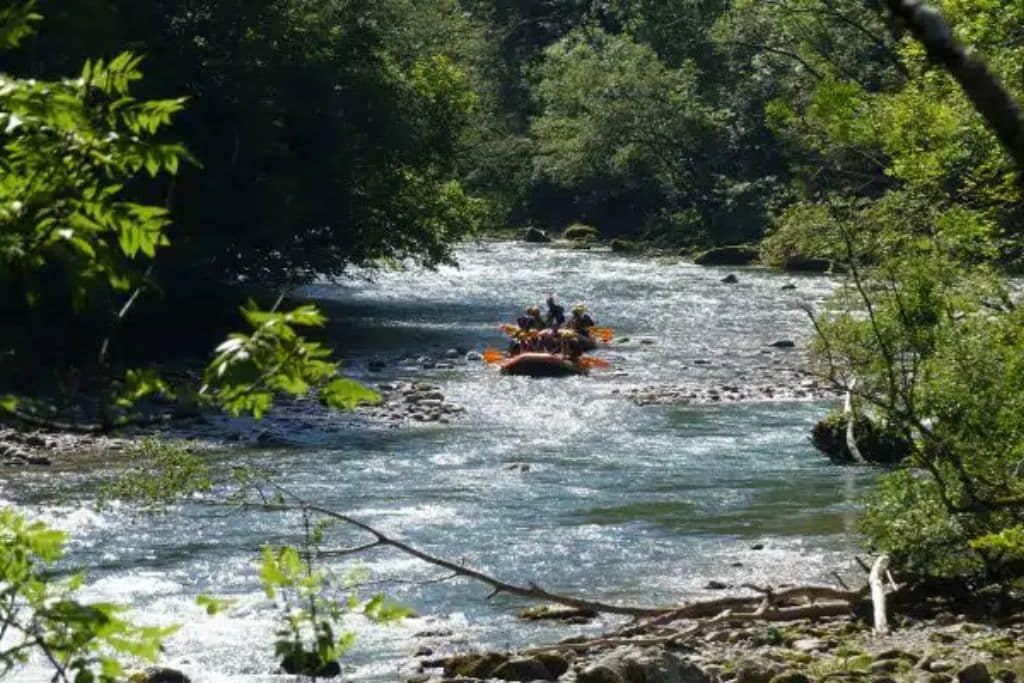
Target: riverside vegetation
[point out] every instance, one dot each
(861, 135)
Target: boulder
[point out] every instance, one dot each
(536, 236)
(789, 286)
(653, 665)
(523, 669)
(754, 671)
(730, 279)
(735, 255)
(474, 357)
(876, 442)
(623, 246)
(476, 665)
(578, 232)
(976, 672)
(783, 344)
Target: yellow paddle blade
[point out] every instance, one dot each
(493, 356)
(508, 328)
(605, 334)
(591, 362)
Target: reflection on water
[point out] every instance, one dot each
(620, 502)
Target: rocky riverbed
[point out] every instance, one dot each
(941, 649)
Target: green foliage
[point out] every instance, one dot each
(311, 634)
(39, 614)
(250, 368)
(69, 148)
(160, 472)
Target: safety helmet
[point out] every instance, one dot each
(578, 308)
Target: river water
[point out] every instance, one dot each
(620, 502)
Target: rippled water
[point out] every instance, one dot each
(621, 502)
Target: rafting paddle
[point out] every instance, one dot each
(493, 355)
(591, 362)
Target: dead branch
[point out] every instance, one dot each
(799, 602)
(878, 572)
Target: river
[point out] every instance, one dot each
(620, 501)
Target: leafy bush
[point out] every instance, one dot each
(40, 614)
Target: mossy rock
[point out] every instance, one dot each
(877, 443)
(584, 245)
(733, 255)
(474, 665)
(578, 232)
(624, 246)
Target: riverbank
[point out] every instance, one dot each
(940, 648)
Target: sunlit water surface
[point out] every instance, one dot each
(621, 502)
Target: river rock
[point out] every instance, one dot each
(783, 344)
(474, 357)
(376, 365)
(976, 672)
(476, 665)
(556, 613)
(753, 671)
(809, 645)
(791, 677)
(523, 669)
(536, 236)
(789, 286)
(156, 674)
(653, 665)
(308, 664)
(730, 279)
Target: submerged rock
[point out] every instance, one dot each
(156, 674)
(556, 613)
(730, 279)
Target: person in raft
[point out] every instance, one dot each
(531, 321)
(581, 322)
(556, 313)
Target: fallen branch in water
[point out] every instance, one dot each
(799, 602)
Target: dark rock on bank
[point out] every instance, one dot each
(735, 255)
(536, 236)
(876, 443)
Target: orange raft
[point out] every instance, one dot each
(541, 365)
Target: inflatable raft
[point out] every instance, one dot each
(541, 365)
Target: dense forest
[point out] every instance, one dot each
(162, 160)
